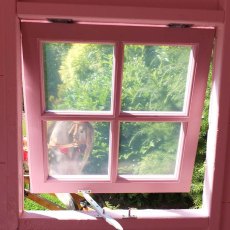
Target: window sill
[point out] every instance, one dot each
(162, 219)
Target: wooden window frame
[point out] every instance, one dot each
(33, 34)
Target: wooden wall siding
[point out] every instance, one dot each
(2, 119)
(226, 72)
(12, 112)
(3, 197)
(190, 4)
(226, 197)
(3, 146)
(10, 102)
(1, 42)
(225, 221)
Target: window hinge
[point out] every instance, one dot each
(179, 25)
(61, 20)
(84, 191)
(100, 211)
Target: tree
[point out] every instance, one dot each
(154, 77)
(86, 73)
(53, 55)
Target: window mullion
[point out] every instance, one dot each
(117, 89)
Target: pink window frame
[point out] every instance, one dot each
(35, 33)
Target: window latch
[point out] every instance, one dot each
(61, 20)
(179, 25)
(100, 211)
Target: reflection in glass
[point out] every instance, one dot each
(78, 148)
(78, 76)
(155, 77)
(148, 148)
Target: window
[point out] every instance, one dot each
(113, 108)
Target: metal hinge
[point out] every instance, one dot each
(179, 25)
(61, 20)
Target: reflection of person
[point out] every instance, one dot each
(25, 156)
(69, 146)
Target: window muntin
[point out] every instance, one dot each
(119, 36)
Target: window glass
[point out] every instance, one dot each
(155, 77)
(78, 148)
(148, 148)
(78, 76)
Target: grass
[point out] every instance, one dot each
(31, 205)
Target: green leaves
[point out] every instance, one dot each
(86, 78)
(148, 148)
(154, 78)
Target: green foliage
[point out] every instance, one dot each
(85, 74)
(31, 205)
(148, 148)
(98, 160)
(53, 55)
(154, 78)
(145, 200)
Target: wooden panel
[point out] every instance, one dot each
(3, 197)
(2, 121)
(225, 221)
(71, 220)
(193, 4)
(13, 113)
(3, 177)
(1, 41)
(225, 104)
(226, 197)
(117, 14)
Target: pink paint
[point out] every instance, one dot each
(202, 12)
(201, 41)
(107, 13)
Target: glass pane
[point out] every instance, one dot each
(154, 77)
(148, 148)
(78, 148)
(78, 76)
